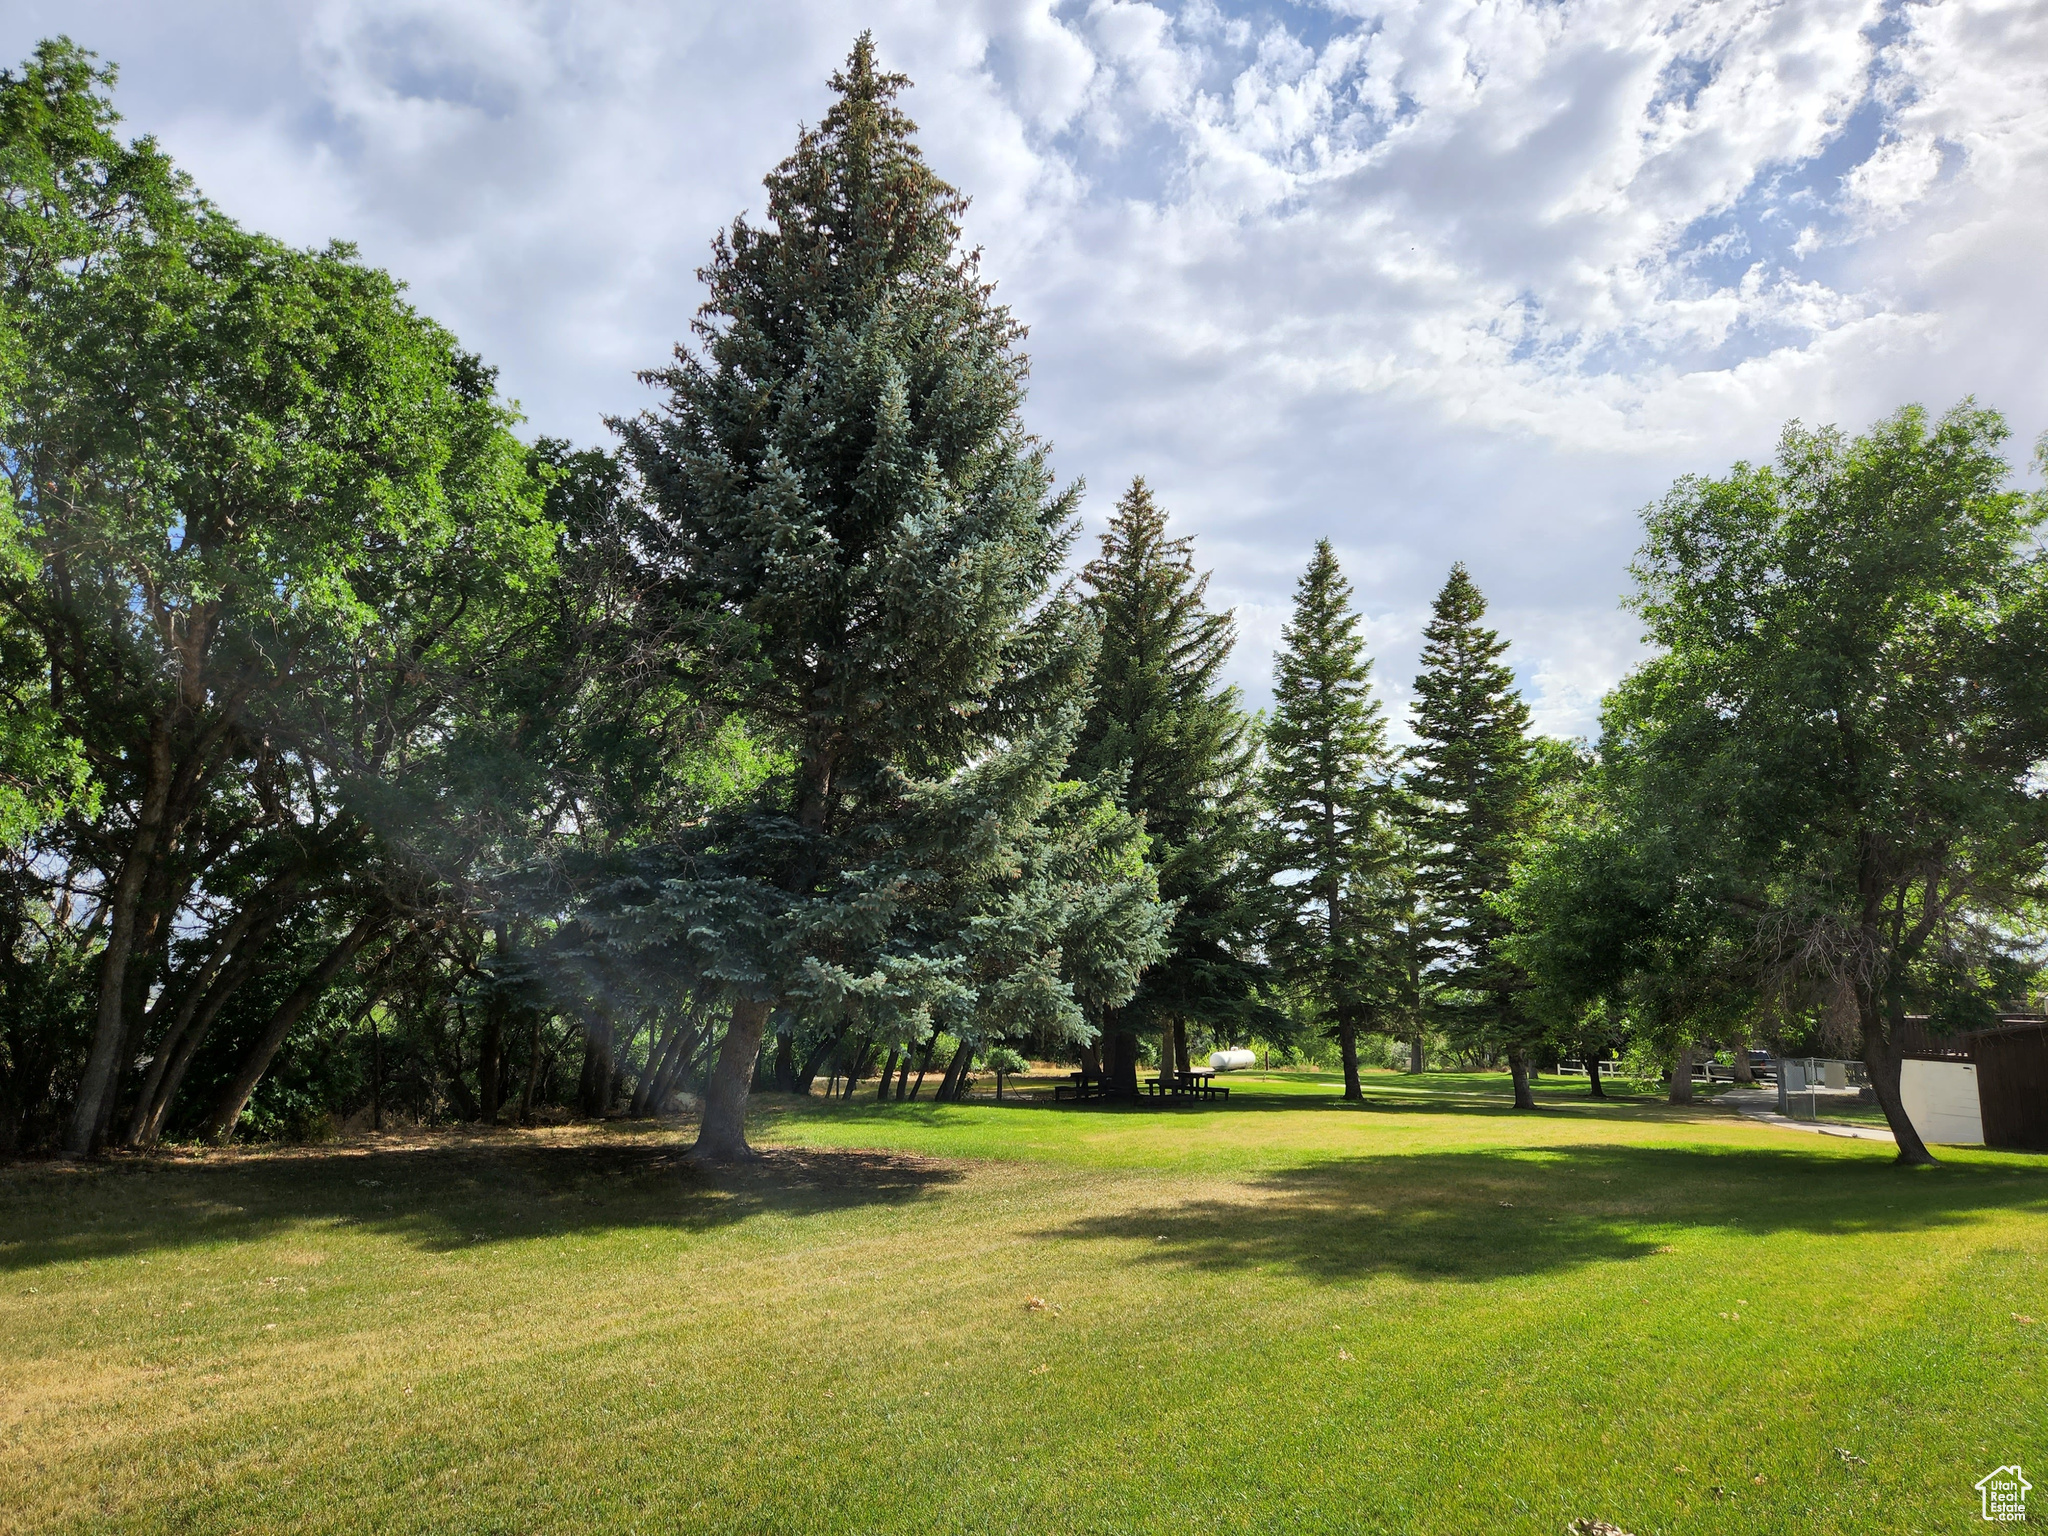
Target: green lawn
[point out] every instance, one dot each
(1284, 1314)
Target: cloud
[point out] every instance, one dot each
(1441, 279)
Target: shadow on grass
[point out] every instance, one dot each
(1254, 1098)
(440, 1194)
(1488, 1214)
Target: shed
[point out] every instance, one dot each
(2009, 1061)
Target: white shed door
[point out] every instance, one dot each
(1941, 1101)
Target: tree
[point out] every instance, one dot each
(860, 539)
(1850, 718)
(1171, 739)
(1327, 790)
(1470, 786)
(258, 506)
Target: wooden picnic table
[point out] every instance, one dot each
(1193, 1085)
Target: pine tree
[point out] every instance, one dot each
(1327, 791)
(1173, 739)
(1471, 790)
(861, 536)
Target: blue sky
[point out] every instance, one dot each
(1446, 280)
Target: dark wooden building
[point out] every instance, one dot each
(2011, 1058)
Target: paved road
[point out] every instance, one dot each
(1761, 1104)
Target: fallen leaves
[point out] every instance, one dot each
(1587, 1525)
(1850, 1458)
(2021, 1317)
(1040, 1304)
(1343, 1354)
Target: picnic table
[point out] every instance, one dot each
(1188, 1085)
(1173, 1085)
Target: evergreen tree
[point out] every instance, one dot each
(862, 536)
(1172, 738)
(1327, 790)
(1471, 791)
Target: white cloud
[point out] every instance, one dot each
(1440, 278)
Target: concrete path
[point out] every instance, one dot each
(1761, 1105)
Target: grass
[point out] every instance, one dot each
(1856, 1114)
(1284, 1314)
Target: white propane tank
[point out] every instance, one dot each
(1232, 1061)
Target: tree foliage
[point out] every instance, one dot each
(1849, 717)
(358, 757)
(861, 539)
(1170, 738)
(1332, 844)
(1471, 788)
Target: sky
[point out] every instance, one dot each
(1450, 280)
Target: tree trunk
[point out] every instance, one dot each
(229, 957)
(1347, 1046)
(586, 1081)
(1121, 1068)
(1091, 1060)
(722, 1138)
(924, 1065)
(903, 1074)
(658, 1057)
(863, 1058)
(953, 1087)
(690, 1038)
(451, 1062)
(1881, 1060)
(1681, 1076)
(1180, 1046)
(785, 1062)
(1593, 1075)
(657, 1053)
(1740, 1052)
(1415, 1059)
(167, 1073)
(532, 1068)
(1518, 1069)
(222, 1124)
(1123, 1065)
(820, 1054)
(376, 1074)
(595, 1086)
(96, 1084)
(888, 1073)
(490, 1043)
(1166, 1069)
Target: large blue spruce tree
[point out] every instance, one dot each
(863, 539)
